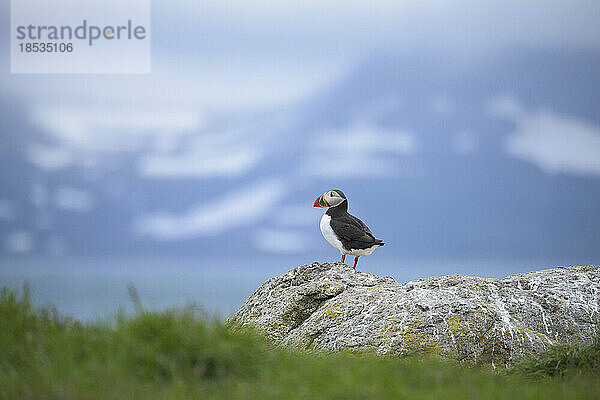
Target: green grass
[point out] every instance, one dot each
(562, 360)
(180, 354)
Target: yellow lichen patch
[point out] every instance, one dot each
(410, 336)
(387, 331)
(499, 344)
(277, 325)
(574, 335)
(494, 349)
(464, 327)
(526, 332)
(329, 288)
(333, 312)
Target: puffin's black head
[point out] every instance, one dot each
(330, 198)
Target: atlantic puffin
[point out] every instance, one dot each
(342, 230)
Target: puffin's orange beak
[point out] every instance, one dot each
(320, 202)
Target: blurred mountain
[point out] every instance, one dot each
(439, 157)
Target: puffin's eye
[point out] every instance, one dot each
(332, 194)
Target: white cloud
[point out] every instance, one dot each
(73, 199)
(557, 143)
(366, 139)
(286, 241)
(554, 142)
(226, 151)
(106, 130)
(164, 144)
(18, 242)
(82, 137)
(339, 27)
(230, 211)
(192, 164)
(197, 85)
(211, 153)
(239, 54)
(361, 150)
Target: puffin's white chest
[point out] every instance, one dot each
(328, 233)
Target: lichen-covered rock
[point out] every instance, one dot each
(331, 306)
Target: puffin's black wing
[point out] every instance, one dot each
(361, 224)
(353, 233)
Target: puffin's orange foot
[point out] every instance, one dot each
(355, 261)
(343, 258)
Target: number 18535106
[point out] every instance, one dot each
(46, 47)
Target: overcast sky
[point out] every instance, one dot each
(215, 55)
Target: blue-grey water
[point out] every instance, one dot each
(90, 288)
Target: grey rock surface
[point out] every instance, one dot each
(331, 306)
